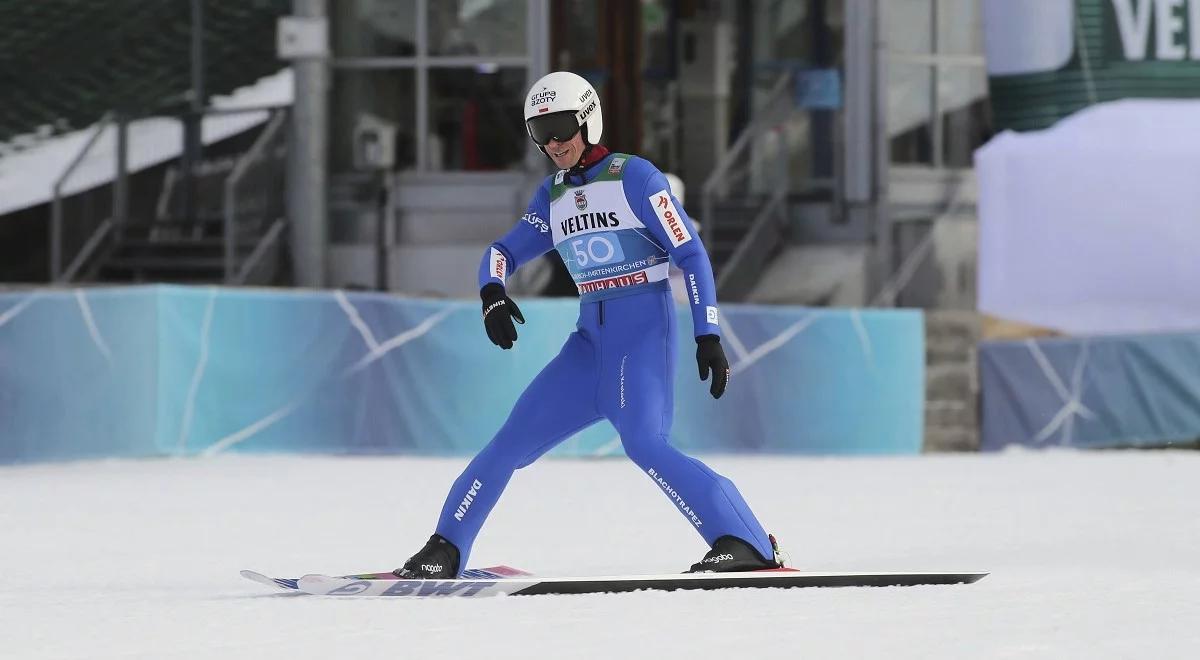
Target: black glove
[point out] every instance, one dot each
(498, 313)
(710, 355)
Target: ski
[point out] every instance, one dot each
(529, 585)
(284, 584)
(292, 584)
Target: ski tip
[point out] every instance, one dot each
(278, 583)
(255, 576)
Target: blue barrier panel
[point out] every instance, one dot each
(1112, 391)
(167, 370)
(78, 374)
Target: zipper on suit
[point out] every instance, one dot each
(601, 312)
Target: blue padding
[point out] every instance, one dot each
(165, 370)
(1113, 391)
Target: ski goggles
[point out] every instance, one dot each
(561, 126)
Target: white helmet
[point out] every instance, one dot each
(558, 105)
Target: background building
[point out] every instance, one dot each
(828, 149)
(819, 140)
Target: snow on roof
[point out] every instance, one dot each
(27, 178)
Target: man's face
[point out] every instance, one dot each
(566, 154)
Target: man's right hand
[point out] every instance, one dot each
(499, 312)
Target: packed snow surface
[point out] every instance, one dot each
(1092, 555)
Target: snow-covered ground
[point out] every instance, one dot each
(1092, 556)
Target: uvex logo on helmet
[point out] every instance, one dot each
(582, 115)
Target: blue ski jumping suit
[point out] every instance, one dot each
(615, 226)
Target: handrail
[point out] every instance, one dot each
(56, 210)
(744, 140)
(916, 256)
(750, 245)
(161, 210)
(268, 239)
(231, 183)
(757, 240)
(85, 253)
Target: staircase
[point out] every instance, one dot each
(242, 193)
(744, 198)
(437, 226)
(171, 252)
(737, 215)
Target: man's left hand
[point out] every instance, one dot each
(710, 355)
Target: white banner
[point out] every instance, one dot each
(1093, 226)
(1028, 36)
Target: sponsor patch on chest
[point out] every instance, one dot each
(668, 216)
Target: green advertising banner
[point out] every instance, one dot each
(1049, 58)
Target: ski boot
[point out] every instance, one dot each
(438, 560)
(730, 554)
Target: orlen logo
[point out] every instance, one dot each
(499, 265)
(544, 96)
(672, 221)
(668, 215)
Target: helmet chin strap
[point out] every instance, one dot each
(587, 148)
(592, 154)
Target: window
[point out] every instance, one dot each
(937, 111)
(385, 95)
(374, 28)
(477, 27)
(447, 75)
(476, 119)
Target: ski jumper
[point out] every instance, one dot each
(615, 226)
